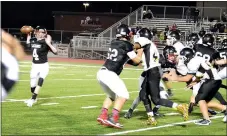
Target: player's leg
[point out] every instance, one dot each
(153, 84)
(119, 88)
(136, 100)
(169, 88)
(43, 70)
(205, 94)
(102, 76)
(163, 95)
(33, 79)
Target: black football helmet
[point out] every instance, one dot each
(187, 54)
(208, 39)
(192, 39)
(145, 32)
(202, 33)
(169, 53)
(123, 31)
(172, 37)
(224, 44)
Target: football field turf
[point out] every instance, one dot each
(71, 100)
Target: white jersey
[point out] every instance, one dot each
(150, 56)
(181, 68)
(178, 46)
(200, 41)
(10, 64)
(202, 69)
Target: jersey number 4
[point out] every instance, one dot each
(112, 54)
(35, 55)
(205, 56)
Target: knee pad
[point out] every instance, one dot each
(40, 82)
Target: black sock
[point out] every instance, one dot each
(219, 97)
(130, 110)
(34, 96)
(190, 108)
(155, 110)
(33, 89)
(169, 90)
(148, 108)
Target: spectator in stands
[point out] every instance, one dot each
(154, 30)
(188, 15)
(97, 22)
(196, 15)
(148, 15)
(165, 32)
(224, 17)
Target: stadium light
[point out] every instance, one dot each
(85, 6)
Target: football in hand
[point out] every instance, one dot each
(26, 29)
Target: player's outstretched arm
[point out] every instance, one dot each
(48, 41)
(137, 59)
(221, 62)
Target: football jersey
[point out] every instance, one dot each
(178, 46)
(199, 67)
(39, 51)
(204, 51)
(150, 56)
(118, 55)
(222, 54)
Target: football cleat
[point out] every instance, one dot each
(203, 122)
(183, 109)
(151, 121)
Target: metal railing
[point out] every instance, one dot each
(160, 11)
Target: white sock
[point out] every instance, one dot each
(174, 105)
(150, 114)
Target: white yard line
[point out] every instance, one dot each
(89, 107)
(61, 97)
(158, 127)
(81, 79)
(72, 65)
(49, 104)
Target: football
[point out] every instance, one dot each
(26, 29)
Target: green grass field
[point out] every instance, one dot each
(70, 88)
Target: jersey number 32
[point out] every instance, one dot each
(112, 54)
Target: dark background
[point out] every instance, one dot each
(18, 13)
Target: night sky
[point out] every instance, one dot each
(16, 14)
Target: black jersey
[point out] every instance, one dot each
(221, 54)
(117, 55)
(39, 51)
(204, 51)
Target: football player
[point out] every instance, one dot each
(173, 39)
(12, 51)
(120, 51)
(210, 81)
(40, 45)
(151, 84)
